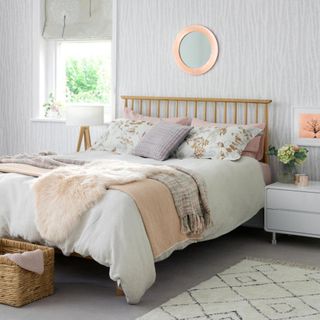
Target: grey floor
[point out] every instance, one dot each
(84, 291)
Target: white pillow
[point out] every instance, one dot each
(216, 143)
(122, 136)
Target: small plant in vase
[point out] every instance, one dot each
(53, 108)
(290, 156)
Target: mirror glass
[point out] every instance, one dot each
(195, 49)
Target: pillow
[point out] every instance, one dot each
(160, 141)
(130, 114)
(122, 136)
(226, 143)
(255, 147)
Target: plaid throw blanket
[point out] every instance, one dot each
(44, 160)
(189, 193)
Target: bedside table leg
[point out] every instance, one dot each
(274, 238)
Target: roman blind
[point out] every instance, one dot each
(77, 19)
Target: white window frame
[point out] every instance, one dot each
(50, 67)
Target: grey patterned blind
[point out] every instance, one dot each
(78, 19)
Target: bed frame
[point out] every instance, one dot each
(236, 111)
(221, 110)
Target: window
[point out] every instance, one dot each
(73, 64)
(78, 72)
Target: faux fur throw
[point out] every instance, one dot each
(65, 193)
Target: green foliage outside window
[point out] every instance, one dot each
(87, 80)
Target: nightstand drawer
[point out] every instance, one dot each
(293, 221)
(293, 200)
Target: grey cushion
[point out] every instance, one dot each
(161, 140)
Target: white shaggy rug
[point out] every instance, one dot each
(250, 290)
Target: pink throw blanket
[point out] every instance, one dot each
(30, 260)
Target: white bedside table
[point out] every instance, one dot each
(292, 210)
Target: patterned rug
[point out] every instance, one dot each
(250, 290)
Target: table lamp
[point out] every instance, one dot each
(84, 116)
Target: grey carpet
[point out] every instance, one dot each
(84, 291)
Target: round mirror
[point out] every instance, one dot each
(195, 49)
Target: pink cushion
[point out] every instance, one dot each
(130, 114)
(254, 149)
(266, 170)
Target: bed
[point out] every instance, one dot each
(112, 232)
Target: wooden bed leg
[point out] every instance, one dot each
(119, 291)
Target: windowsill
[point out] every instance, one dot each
(52, 120)
(48, 120)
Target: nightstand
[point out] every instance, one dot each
(292, 210)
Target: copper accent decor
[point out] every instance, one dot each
(213, 54)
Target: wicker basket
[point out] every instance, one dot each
(18, 286)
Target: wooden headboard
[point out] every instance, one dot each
(221, 110)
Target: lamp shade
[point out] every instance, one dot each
(84, 115)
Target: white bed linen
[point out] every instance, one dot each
(112, 232)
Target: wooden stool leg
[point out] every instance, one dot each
(81, 135)
(87, 138)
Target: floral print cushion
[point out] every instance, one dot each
(254, 149)
(216, 143)
(122, 136)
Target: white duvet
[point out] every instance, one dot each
(112, 232)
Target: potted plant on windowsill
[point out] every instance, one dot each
(290, 156)
(52, 108)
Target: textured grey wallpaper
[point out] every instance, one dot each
(15, 71)
(268, 49)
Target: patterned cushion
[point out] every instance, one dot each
(130, 114)
(160, 141)
(254, 149)
(122, 136)
(216, 143)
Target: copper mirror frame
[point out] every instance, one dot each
(214, 49)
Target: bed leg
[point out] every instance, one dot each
(119, 291)
(274, 238)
